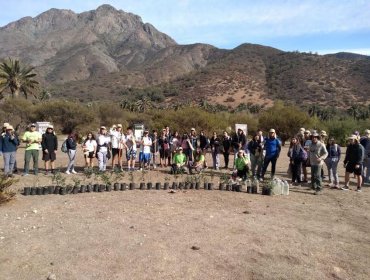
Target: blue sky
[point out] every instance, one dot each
(324, 26)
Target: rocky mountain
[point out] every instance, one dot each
(99, 54)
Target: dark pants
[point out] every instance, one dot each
(226, 159)
(316, 177)
(242, 173)
(27, 158)
(266, 163)
(296, 171)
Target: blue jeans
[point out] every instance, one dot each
(9, 161)
(332, 165)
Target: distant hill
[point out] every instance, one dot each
(98, 54)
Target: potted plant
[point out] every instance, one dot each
(76, 186)
(60, 182)
(166, 185)
(132, 179)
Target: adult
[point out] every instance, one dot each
(179, 161)
(198, 163)
(71, 151)
(5, 125)
(318, 154)
(89, 147)
(324, 140)
(164, 149)
(49, 145)
(204, 144)
(241, 165)
(146, 143)
(226, 146)
(215, 144)
(295, 154)
(103, 144)
(332, 161)
(255, 148)
(239, 142)
(193, 138)
(130, 145)
(365, 142)
(154, 148)
(306, 146)
(353, 162)
(117, 138)
(175, 142)
(32, 138)
(272, 146)
(187, 147)
(8, 148)
(260, 134)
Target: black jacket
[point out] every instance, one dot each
(239, 139)
(49, 142)
(353, 154)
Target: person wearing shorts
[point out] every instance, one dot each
(130, 145)
(89, 150)
(353, 162)
(145, 150)
(117, 145)
(49, 144)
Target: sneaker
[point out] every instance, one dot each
(46, 172)
(74, 172)
(317, 192)
(67, 172)
(358, 189)
(25, 174)
(345, 188)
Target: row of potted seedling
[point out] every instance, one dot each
(142, 186)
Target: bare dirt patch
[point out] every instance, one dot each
(152, 234)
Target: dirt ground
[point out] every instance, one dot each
(193, 234)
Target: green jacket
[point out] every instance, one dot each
(179, 159)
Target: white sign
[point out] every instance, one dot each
(42, 126)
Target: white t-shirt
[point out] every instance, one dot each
(103, 139)
(147, 143)
(116, 138)
(90, 145)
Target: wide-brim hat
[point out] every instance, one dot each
(352, 137)
(6, 124)
(315, 134)
(323, 133)
(103, 127)
(50, 126)
(9, 127)
(119, 125)
(272, 130)
(367, 132)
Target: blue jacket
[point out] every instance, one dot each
(272, 147)
(8, 145)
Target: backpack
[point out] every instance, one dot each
(303, 154)
(64, 148)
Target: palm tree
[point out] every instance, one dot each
(144, 104)
(16, 78)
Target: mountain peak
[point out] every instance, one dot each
(106, 7)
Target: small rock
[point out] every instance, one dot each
(246, 212)
(132, 227)
(34, 211)
(195, 248)
(2, 237)
(211, 216)
(51, 263)
(18, 218)
(33, 227)
(52, 277)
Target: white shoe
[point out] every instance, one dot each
(74, 172)
(67, 172)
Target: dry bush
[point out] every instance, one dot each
(5, 193)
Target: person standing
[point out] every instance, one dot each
(154, 148)
(239, 142)
(215, 144)
(117, 145)
(164, 149)
(130, 145)
(32, 138)
(353, 162)
(332, 161)
(272, 147)
(8, 148)
(71, 151)
(295, 153)
(49, 145)
(103, 141)
(306, 146)
(226, 145)
(146, 143)
(89, 147)
(204, 143)
(255, 148)
(317, 156)
(193, 138)
(365, 142)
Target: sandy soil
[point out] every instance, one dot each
(150, 234)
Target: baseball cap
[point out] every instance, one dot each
(103, 127)
(32, 125)
(272, 130)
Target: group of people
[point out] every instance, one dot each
(187, 152)
(313, 149)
